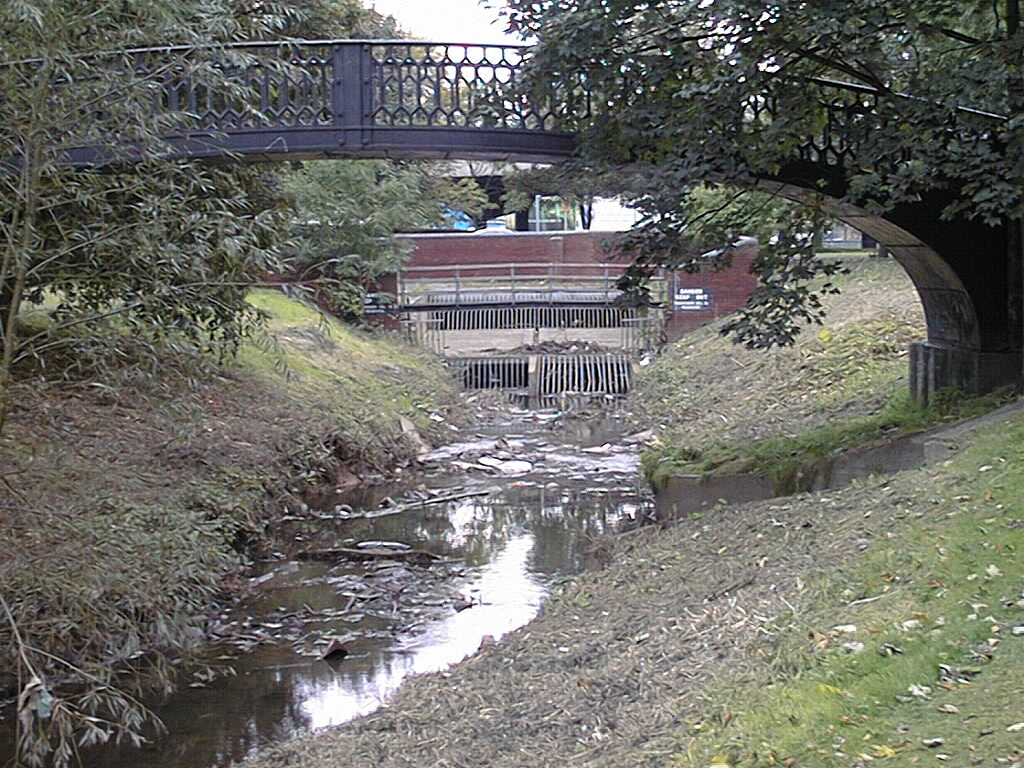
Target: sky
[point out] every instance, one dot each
(446, 21)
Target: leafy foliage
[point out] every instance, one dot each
(168, 250)
(686, 91)
(349, 213)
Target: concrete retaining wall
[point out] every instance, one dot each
(684, 495)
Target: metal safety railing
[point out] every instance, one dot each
(331, 98)
(513, 283)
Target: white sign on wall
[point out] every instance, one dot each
(691, 299)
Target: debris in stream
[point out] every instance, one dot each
(335, 651)
(389, 506)
(416, 556)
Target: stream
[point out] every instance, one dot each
(496, 521)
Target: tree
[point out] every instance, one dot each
(166, 249)
(349, 212)
(317, 20)
(688, 91)
(577, 184)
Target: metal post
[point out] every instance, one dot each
(352, 92)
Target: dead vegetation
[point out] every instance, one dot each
(617, 666)
(128, 504)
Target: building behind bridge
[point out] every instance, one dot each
(564, 268)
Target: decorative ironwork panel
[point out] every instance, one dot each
(244, 87)
(451, 86)
(332, 97)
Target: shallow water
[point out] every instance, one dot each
(502, 551)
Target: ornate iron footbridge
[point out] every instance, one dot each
(401, 98)
(349, 98)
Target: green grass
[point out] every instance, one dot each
(784, 459)
(361, 382)
(944, 590)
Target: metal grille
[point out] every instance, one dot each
(549, 381)
(638, 332)
(499, 372)
(452, 86)
(517, 318)
(584, 374)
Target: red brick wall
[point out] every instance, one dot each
(507, 248)
(722, 292)
(706, 295)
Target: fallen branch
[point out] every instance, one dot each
(416, 556)
(398, 508)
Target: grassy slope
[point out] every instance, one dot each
(127, 500)
(945, 589)
(910, 643)
(718, 405)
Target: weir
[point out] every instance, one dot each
(561, 381)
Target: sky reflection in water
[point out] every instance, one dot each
(510, 596)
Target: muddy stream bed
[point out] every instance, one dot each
(403, 579)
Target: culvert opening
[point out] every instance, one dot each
(549, 381)
(509, 372)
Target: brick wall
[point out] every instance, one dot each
(705, 296)
(467, 248)
(695, 298)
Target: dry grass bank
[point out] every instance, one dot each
(130, 493)
(714, 390)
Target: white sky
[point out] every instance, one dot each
(446, 21)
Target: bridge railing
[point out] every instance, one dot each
(386, 97)
(514, 283)
(323, 99)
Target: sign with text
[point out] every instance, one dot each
(691, 299)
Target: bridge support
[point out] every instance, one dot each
(934, 368)
(969, 276)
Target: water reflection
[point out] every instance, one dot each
(510, 544)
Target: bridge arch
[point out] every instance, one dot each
(401, 98)
(963, 271)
